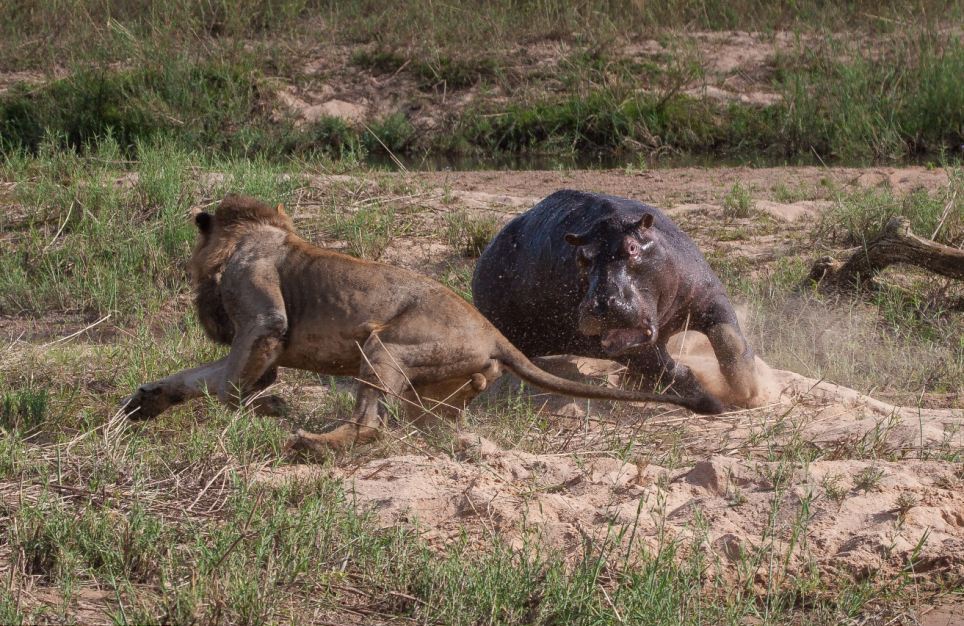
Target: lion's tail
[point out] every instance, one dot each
(513, 359)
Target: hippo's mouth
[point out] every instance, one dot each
(620, 340)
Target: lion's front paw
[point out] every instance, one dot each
(150, 400)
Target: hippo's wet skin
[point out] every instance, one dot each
(603, 276)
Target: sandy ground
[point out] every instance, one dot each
(882, 497)
(734, 66)
(844, 513)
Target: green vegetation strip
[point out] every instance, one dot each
(839, 100)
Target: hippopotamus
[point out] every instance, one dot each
(608, 277)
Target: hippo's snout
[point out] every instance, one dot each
(619, 322)
(618, 341)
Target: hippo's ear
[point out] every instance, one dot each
(644, 222)
(204, 221)
(575, 240)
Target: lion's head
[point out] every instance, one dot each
(218, 235)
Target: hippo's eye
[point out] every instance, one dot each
(635, 248)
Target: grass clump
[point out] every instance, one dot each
(392, 135)
(96, 239)
(23, 410)
(378, 60)
(201, 103)
(60, 544)
(858, 217)
(853, 103)
(434, 71)
(209, 106)
(451, 73)
(94, 246)
(839, 104)
(597, 121)
(469, 235)
(868, 478)
(367, 231)
(329, 137)
(737, 203)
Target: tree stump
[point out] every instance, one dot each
(895, 244)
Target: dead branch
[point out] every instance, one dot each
(895, 244)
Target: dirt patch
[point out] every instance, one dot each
(743, 492)
(669, 188)
(735, 67)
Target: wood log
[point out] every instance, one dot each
(895, 244)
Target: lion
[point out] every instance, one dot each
(279, 301)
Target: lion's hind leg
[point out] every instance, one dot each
(381, 377)
(447, 399)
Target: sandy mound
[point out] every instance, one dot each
(859, 516)
(744, 496)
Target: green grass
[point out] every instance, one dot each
(469, 235)
(857, 217)
(435, 71)
(186, 73)
(49, 33)
(203, 104)
(368, 231)
(906, 99)
(737, 203)
(90, 239)
(840, 103)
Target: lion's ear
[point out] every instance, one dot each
(281, 209)
(204, 221)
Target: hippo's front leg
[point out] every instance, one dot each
(655, 366)
(737, 361)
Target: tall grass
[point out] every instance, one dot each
(857, 217)
(204, 75)
(844, 100)
(46, 35)
(94, 239)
